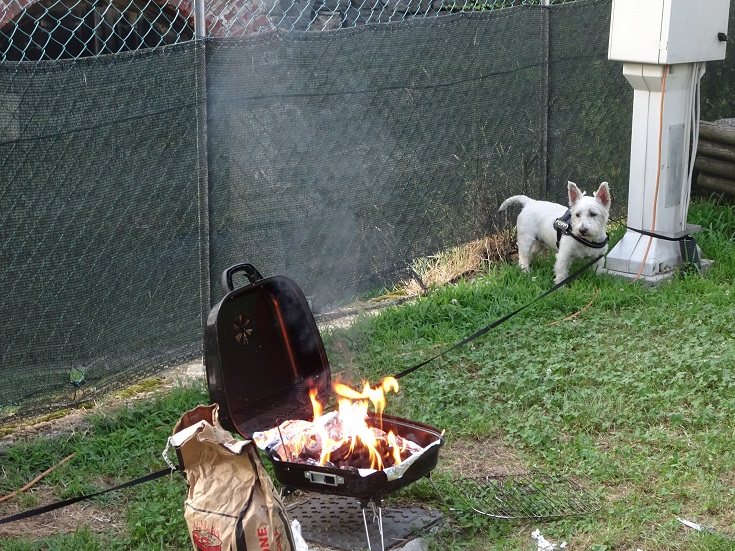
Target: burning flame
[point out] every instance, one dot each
(316, 406)
(375, 395)
(354, 431)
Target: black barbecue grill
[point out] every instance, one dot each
(263, 353)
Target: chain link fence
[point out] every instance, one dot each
(146, 146)
(99, 223)
(63, 29)
(71, 29)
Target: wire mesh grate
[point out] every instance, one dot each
(531, 495)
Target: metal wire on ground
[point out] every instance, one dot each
(532, 495)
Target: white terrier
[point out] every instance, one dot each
(585, 235)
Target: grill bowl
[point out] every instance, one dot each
(349, 482)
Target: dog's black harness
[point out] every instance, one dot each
(563, 226)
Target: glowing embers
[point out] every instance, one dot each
(351, 437)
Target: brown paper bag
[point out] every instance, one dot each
(232, 504)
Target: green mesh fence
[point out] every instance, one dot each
(99, 224)
(141, 162)
(590, 105)
(340, 177)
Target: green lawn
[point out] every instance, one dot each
(634, 398)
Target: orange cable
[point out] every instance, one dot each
(658, 172)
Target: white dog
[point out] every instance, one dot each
(585, 236)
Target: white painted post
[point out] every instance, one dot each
(662, 44)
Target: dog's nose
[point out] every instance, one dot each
(583, 230)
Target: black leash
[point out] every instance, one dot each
(562, 226)
(67, 502)
(505, 318)
(687, 245)
(659, 236)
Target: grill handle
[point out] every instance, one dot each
(325, 479)
(250, 271)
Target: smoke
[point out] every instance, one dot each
(338, 157)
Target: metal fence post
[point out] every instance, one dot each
(545, 95)
(200, 21)
(205, 260)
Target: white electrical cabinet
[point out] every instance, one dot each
(665, 32)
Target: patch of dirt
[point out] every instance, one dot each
(61, 521)
(77, 420)
(474, 458)
(85, 513)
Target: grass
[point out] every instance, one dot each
(634, 398)
(115, 448)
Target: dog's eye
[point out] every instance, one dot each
(578, 215)
(593, 214)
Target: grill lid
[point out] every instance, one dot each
(263, 353)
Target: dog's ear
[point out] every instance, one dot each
(603, 195)
(574, 193)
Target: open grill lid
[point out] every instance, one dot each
(263, 353)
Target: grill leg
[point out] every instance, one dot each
(441, 495)
(380, 527)
(367, 534)
(376, 516)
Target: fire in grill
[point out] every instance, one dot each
(303, 443)
(348, 438)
